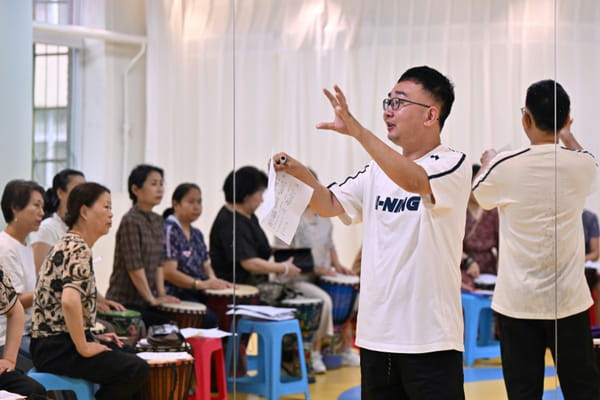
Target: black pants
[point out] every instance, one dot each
(426, 376)
(523, 346)
(17, 382)
(119, 372)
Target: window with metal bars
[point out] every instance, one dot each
(52, 95)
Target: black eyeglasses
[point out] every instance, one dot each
(396, 103)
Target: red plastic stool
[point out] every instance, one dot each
(203, 349)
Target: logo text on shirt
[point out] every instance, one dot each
(395, 205)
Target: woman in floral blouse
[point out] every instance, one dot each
(64, 307)
(187, 269)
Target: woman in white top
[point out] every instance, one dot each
(23, 209)
(53, 227)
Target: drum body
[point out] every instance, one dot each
(126, 323)
(187, 314)
(168, 379)
(218, 300)
(308, 312)
(343, 290)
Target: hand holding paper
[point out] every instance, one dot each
(285, 200)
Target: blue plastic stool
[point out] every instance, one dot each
(84, 390)
(479, 338)
(268, 382)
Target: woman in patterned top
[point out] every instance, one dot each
(187, 267)
(11, 379)
(65, 306)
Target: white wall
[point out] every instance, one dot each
(103, 65)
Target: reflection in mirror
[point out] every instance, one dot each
(491, 51)
(577, 23)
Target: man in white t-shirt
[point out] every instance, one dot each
(410, 326)
(540, 191)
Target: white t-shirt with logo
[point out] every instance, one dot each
(522, 184)
(17, 261)
(410, 277)
(51, 231)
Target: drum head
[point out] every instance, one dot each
(485, 279)
(240, 290)
(184, 306)
(341, 279)
(301, 301)
(165, 357)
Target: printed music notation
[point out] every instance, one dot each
(285, 200)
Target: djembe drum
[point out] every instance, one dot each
(308, 313)
(343, 290)
(169, 378)
(128, 324)
(187, 314)
(485, 282)
(219, 299)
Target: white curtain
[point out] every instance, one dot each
(224, 93)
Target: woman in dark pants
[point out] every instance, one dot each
(64, 307)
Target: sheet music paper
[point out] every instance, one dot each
(284, 202)
(205, 333)
(263, 312)
(4, 395)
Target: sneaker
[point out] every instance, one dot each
(317, 364)
(350, 358)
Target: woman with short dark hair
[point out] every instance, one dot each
(187, 266)
(252, 249)
(65, 306)
(137, 279)
(23, 209)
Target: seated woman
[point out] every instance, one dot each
(316, 233)
(53, 227)
(65, 306)
(252, 249)
(23, 209)
(187, 267)
(13, 380)
(480, 244)
(137, 280)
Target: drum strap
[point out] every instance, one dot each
(174, 377)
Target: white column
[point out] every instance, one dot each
(15, 90)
